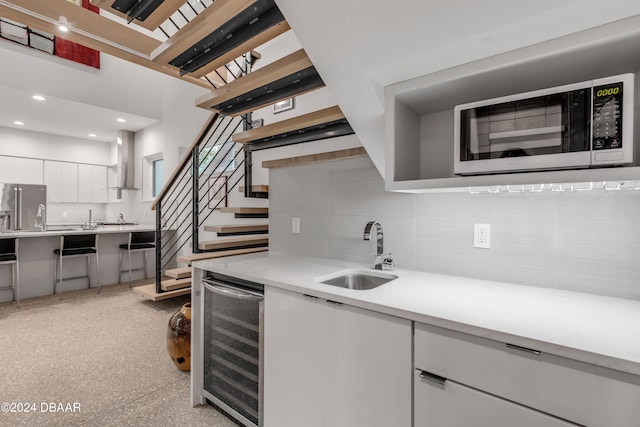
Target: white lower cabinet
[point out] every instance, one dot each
(334, 365)
(450, 404)
(492, 382)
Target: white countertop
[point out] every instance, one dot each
(60, 230)
(595, 329)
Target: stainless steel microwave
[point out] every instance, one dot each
(580, 125)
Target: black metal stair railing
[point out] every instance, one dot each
(185, 206)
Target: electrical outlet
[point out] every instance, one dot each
(482, 236)
(64, 214)
(295, 225)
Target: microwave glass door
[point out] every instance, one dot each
(551, 124)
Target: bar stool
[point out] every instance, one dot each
(138, 241)
(9, 256)
(75, 245)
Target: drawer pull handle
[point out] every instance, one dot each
(334, 302)
(525, 349)
(432, 377)
(310, 296)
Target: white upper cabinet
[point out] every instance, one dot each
(53, 180)
(69, 182)
(61, 179)
(6, 169)
(92, 183)
(21, 170)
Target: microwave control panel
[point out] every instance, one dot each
(607, 116)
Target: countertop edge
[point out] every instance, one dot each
(224, 266)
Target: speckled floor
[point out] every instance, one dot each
(103, 354)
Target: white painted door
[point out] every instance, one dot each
(99, 183)
(69, 182)
(53, 180)
(455, 405)
(294, 344)
(6, 169)
(334, 365)
(368, 369)
(85, 183)
(27, 171)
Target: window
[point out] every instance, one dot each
(158, 177)
(218, 158)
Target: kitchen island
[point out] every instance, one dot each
(512, 338)
(37, 261)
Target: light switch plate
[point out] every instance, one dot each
(295, 225)
(482, 236)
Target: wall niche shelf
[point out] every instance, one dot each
(419, 112)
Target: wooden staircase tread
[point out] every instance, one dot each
(174, 284)
(247, 46)
(314, 158)
(198, 28)
(278, 69)
(149, 292)
(300, 122)
(232, 242)
(236, 228)
(255, 188)
(245, 209)
(153, 21)
(188, 259)
(178, 273)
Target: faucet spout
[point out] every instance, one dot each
(379, 246)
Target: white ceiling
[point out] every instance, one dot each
(64, 117)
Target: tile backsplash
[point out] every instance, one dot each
(586, 241)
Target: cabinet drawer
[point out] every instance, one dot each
(572, 390)
(455, 405)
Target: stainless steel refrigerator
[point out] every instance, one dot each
(23, 207)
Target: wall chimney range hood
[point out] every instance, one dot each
(126, 177)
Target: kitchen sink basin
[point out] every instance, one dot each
(357, 279)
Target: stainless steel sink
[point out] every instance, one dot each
(357, 279)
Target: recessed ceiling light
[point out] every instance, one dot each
(92, 135)
(18, 122)
(121, 120)
(38, 97)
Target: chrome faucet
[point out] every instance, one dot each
(380, 250)
(41, 217)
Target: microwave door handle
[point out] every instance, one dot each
(232, 292)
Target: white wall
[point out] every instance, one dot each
(586, 241)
